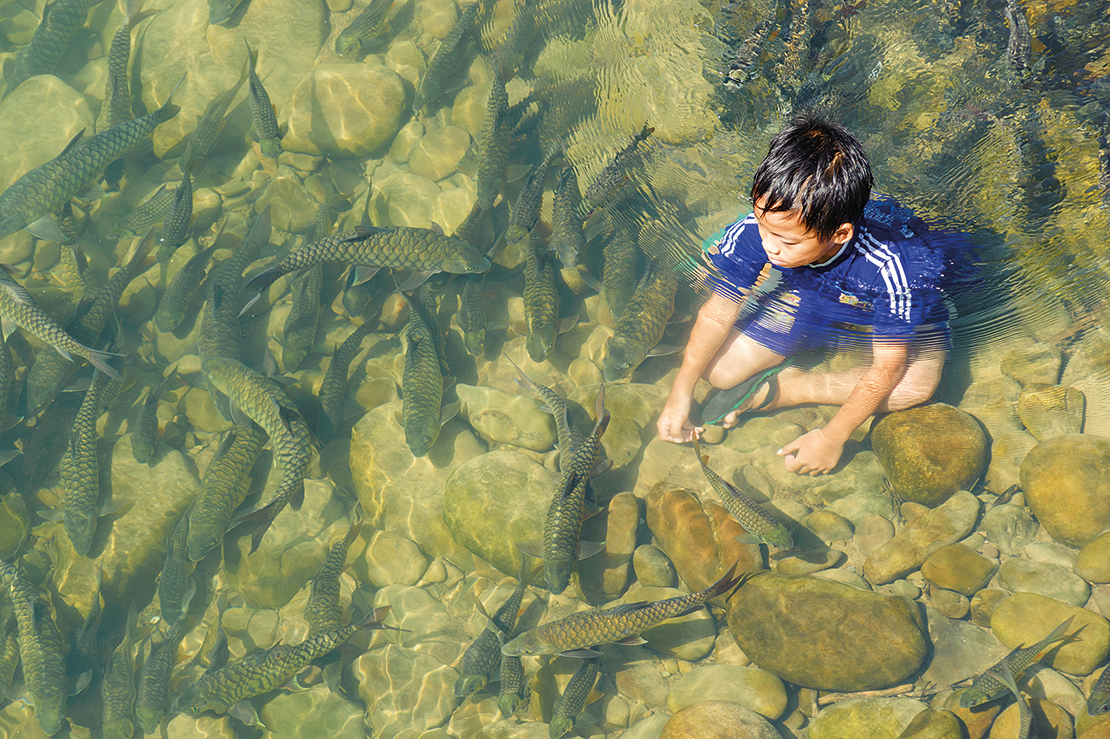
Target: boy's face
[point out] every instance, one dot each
(789, 243)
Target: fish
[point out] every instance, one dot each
(567, 239)
(1025, 716)
(1020, 42)
(742, 66)
(573, 699)
(519, 41)
(400, 247)
(620, 624)
(264, 401)
(144, 438)
(512, 683)
(796, 53)
(1098, 702)
(641, 325)
(526, 209)
(84, 656)
(175, 587)
(116, 107)
(174, 303)
(220, 11)
(447, 60)
(333, 388)
(299, 334)
(80, 467)
(553, 403)
(471, 316)
(152, 696)
(493, 144)
(564, 105)
(541, 302)
(223, 488)
(263, 117)
(620, 271)
(147, 215)
(367, 24)
(117, 689)
(9, 653)
(261, 672)
(40, 652)
(986, 688)
(421, 382)
(483, 656)
(50, 438)
(61, 20)
(212, 122)
(322, 612)
(752, 516)
(610, 182)
(38, 194)
(175, 228)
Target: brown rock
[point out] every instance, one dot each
(605, 576)
(983, 605)
(958, 567)
(1067, 486)
(946, 524)
(1024, 618)
(934, 724)
(1049, 412)
(1093, 561)
(718, 720)
(1049, 721)
(976, 720)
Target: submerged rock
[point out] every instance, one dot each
(43, 114)
(1025, 576)
(1093, 561)
(870, 717)
(750, 687)
(605, 575)
(960, 650)
(404, 690)
(1009, 527)
(1066, 481)
(958, 567)
(717, 720)
(690, 637)
(509, 419)
(1049, 412)
(1024, 618)
(312, 713)
(930, 452)
(925, 534)
(1038, 364)
(855, 639)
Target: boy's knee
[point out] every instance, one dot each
(908, 397)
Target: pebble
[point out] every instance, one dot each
(905, 589)
(728, 652)
(1093, 561)
(949, 603)
(828, 526)
(872, 531)
(983, 605)
(750, 687)
(865, 717)
(717, 720)
(960, 650)
(1009, 527)
(958, 567)
(653, 568)
(1024, 576)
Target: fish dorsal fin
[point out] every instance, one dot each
(75, 141)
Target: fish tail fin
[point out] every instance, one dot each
(373, 620)
(325, 429)
(259, 520)
(99, 360)
(728, 582)
(263, 279)
(1058, 635)
(168, 109)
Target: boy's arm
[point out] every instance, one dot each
(819, 450)
(714, 322)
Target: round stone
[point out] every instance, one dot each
(1024, 618)
(505, 418)
(717, 720)
(934, 724)
(859, 717)
(828, 526)
(1049, 721)
(872, 531)
(1009, 527)
(439, 152)
(949, 603)
(1036, 364)
(1049, 412)
(984, 604)
(946, 524)
(652, 567)
(1066, 481)
(1093, 561)
(930, 452)
(751, 687)
(1025, 576)
(959, 568)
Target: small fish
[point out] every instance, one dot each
(116, 107)
(1025, 716)
(261, 672)
(512, 683)
(573, 699)
(641, 325)
(80, 467)
(117, 689)
(400, 247)
(322, 611)
(1020, 43)
(263, 117)
(299, 334)
(333, 388)
(220, 11)
(796, 54)
(541, 302)
(564, 106)
(147, 215)
(986, 688)
(9, 653)
(471, 316)
(614, 625)
(609, 184)
(366, 25)
(421, 382)
(554, 404)
(39, 651)
(223, 488)
(7, 377)
(483, 657)
(154, 678)
(567, 239)
(448, 59)
(84, 656)
(526, 209)
(31, 199)
(175, 228)
(212, 122)
(174, 303)
(752, 516)
(175, 587)
(145, 436)
(61, 20)
(520, 40)
(620, 269)
(742, 66)
(1099, 701)
(493, 144)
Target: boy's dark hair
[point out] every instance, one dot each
(818, 169)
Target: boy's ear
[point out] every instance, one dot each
(844, 233)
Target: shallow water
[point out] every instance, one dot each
(960, 125)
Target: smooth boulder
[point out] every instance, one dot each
(1067, 486)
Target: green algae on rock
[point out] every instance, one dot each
(827, 635)
(1067, 486)
(930, 452)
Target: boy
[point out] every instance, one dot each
(847, 270)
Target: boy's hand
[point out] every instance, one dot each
(674, 422)
(813, 453)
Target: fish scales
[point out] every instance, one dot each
(117, 689)
(39, 652)
(152, 696)
(175, 228)
(567, 239)
(209, 126)
(472, 316)
(116, 107)
(322, 612)
(72, 273)
(512, 683)
(753, 517)
(641, 325)
(333, 388)
(986, 687)
(223, 488)
(421, 384)
(493, 144)
(80, 467)
(263, 117)
(592, 628)
(46, 188)
(541, 302)
(573, 699)
(145, 435)
(620, 270)
(367, 24)
(220, 334)
(9, 653)
(399, 247)
(483, 656)
(179, 294)
(611, 180)
(299, 333)
(448, 58)
(61, 20)
(1020, 42)
(148, 214)
(526, 209)
(553, 403)
(174, 586)
(1099, 700)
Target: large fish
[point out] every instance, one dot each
(333, 388)
(223, 488)
(263, 117)
(61, 20)
(45, 189)
(567, 239)
(483, 657)
(322, 612)
(609, 184)
(641, 325)
(117, 689)
(752, 516)
(1020, 43)
(399, 247)
(448, 59)
(264, 402)
(512, 683)
(220, 333)
(619, 624)
(299, 333)
(541, 301)
(366, 25)
(620, 272)
(1098, 702)
(154, 678)
(80, 467)
(9, 653)
(573, 699)
(261, 672)
(175, 301)
(986, 687)
(493, 144)
(421, 382)
(220, 11)
(175, 587)
(1025, 716)
(526, 209)
(116, 108)
(39, 651)
(175, 228)
(146, 215)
